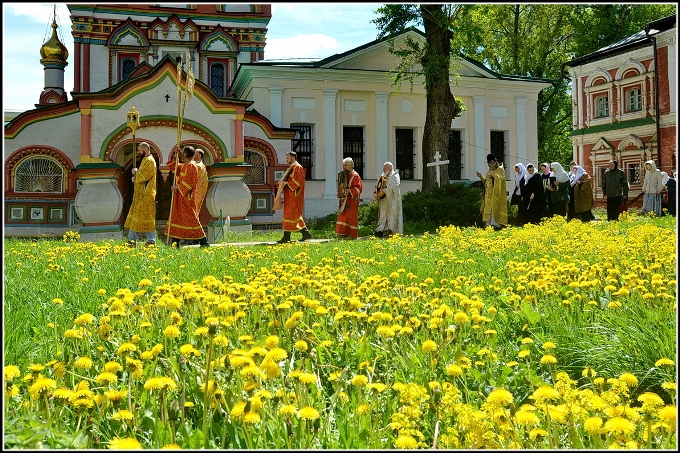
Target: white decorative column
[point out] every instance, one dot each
(381, 129)
(275, 105)
(228, 199)
(480, 142)
(329, 142)
(521, 111)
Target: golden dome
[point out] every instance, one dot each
(53, 51)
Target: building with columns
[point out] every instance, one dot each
(625, 106)
(68, 162)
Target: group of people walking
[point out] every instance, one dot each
(538, 193)
(188, 193)
(387, 194)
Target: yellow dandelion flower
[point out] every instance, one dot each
(113, 367)
(188, 350)
(548, 345)
(288, 410)
(526, 418)
(252, 371)
(629, 379)
(619, 426)
(41, 386)
(523, 353)
(12, 372)
(171, 447)
(106, 378)
(171, 331)
(251, 418)
(84, 363)
(127, 443)
(308, 413)
(237, 410)
(668, 415)
(145, 283)
(271, 342)
(406, 442)
(73, 333)
(593, 425)
(123, 415)
(360, 380)
(363, 409)
(589, 372)
(664, 362)
(545, 392)
(527, 340)
(276, 354)
(57, 301)
(201, 331)
(84, 319)
(429, 346)
(548, 359)
(537, 432)
(501, 397)
(115, 395)
(377, 386)
(126, 348)
(454, 370)
(301, 345)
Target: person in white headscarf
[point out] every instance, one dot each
(516, 197)
(652, 187)
(583, 194)
(559, 191)
(533, 196)
(664, 192)
(388, 196)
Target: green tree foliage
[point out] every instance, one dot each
(532, 40)
(432, 60)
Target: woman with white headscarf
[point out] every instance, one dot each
(533, 196)
(516, 197)
(652, 187)
(583, 194)
(559, 192)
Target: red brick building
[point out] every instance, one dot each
(625, 106)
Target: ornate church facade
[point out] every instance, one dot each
(68, 162)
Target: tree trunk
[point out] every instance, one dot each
(441, 107)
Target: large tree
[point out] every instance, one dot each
(432, 61)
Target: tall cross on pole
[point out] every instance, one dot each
(436, 165)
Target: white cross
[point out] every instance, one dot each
(436, 164)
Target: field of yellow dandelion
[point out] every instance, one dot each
(557, 336)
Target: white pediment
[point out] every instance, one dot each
(376, 57)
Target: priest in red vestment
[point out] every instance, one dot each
(349, 193)
(292, 188)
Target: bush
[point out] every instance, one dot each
(451, 204)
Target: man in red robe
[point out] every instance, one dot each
(292, 187)
(349, 193)
(183, 222)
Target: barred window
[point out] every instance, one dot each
(39, 174)
(498, 146)
(406, 147)
(256, 173)
(127, 65)
(455, 155)
(353, 146)
(303, 145)
(217, 79)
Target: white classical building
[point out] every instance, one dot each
(67, 163)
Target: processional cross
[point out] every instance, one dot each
(437, 162)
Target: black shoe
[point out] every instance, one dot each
(306, 235)
(285, 238)
(379, 234)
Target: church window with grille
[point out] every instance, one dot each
(257, 173)
(498, 146)
(218, 79)
(127, 65)
(406, 145)
(39, 174)
(455, 155)
(303, 145)
(353, 146)
(634, 174)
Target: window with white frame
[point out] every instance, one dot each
(602, 106)
(633, 100)
(39, 174)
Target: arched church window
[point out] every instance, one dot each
(127, 65)
(217, 79)
(256, 173)
(39, 174)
